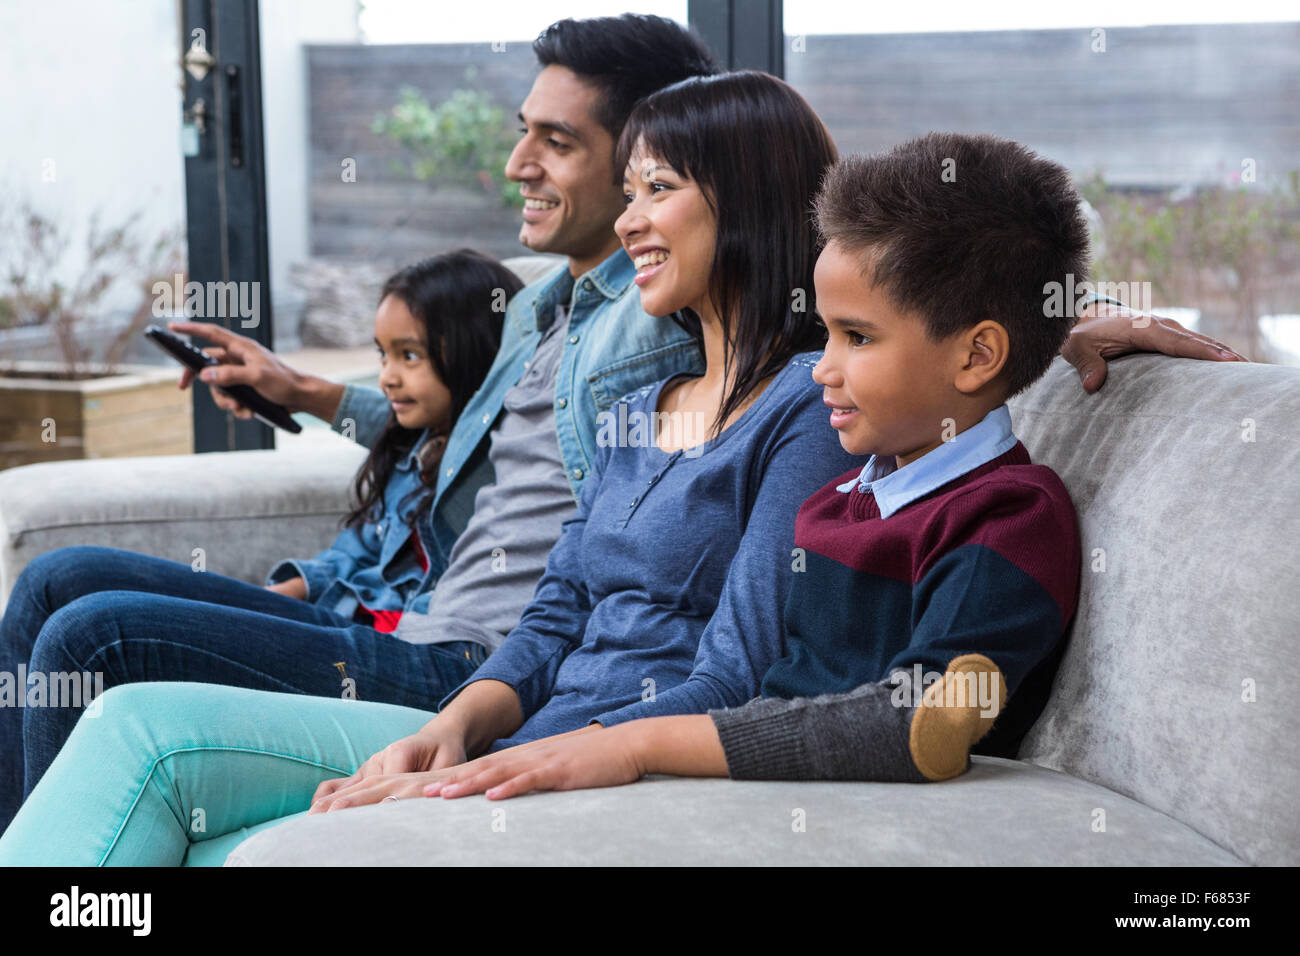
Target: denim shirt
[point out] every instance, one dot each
(612, 348)
(362, 566)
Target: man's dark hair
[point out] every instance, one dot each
(959, 229)
(626, 58)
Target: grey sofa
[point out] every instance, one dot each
(1171, 737)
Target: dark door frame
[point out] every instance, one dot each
(744, 34)
(225, 195)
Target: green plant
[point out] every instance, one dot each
(463, 141)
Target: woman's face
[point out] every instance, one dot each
(668, 231)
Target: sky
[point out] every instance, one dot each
(458, 21)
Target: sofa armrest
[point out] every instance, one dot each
(245, 510)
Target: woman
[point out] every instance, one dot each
(662, 594)
(437, 334)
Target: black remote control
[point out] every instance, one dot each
(266, 410)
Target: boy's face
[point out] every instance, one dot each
(564, 164)
(890, 387)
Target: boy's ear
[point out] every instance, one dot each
(984, 351)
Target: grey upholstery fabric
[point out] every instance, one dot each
(1200, 534)
(1001, 812)
(245, 509)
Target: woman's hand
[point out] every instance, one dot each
(294, 588)
(590, 757)
(434, 747)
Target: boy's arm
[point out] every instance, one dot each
(991, 605)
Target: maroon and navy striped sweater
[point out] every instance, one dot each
(987, 564)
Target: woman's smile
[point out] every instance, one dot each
(649, 261)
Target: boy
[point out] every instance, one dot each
(937, 583)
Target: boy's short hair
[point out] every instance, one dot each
(960, 228)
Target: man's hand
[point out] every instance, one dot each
(247, 362)
(294, 588)
(1105, 331)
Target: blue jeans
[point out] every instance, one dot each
(126, 618)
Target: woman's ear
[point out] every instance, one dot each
(985, 349)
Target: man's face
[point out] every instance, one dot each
(564, 164)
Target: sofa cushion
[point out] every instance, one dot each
(1178, 685)
(1000, 812)
(245, 509)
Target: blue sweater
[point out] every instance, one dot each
(663, 595)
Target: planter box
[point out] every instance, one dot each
(136, 411)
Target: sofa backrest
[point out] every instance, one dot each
(1178, 687)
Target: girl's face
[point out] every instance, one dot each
(668, 231)
(418, 396)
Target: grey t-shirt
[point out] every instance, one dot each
(497, 561)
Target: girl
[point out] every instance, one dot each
(662, 594)
(370, 572)
(437, 328)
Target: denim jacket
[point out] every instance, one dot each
(612, 348)
(362, 566)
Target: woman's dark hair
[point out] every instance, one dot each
(459, 298)
(626, 58)
(758, 152)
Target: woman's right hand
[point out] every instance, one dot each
(433, 747)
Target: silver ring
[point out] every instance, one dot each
(390, 797)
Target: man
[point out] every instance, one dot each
(573, 342)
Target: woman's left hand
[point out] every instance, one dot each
(599, 757)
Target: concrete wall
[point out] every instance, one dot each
(1163, 107)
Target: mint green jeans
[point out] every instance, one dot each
(178, 774)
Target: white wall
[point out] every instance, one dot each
(94, 87)
(91, 88)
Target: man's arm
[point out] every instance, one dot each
(1107, 329)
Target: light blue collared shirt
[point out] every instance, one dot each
(895, 488)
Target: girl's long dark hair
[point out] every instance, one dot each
(460, 299)
(759, 152)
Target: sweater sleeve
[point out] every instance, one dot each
(983, 622)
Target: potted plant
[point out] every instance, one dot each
(84, 402)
